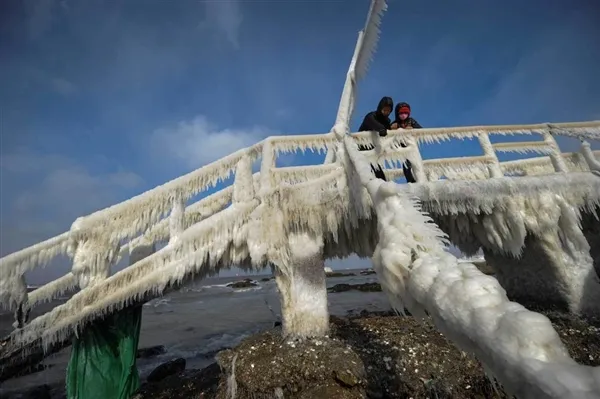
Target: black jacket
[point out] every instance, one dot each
(376, 121)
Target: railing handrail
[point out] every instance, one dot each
(42, 252)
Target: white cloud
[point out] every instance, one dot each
(198, 142)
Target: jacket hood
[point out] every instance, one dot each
(385, 101)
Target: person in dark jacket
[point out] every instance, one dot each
(405, 121)
(378, 121)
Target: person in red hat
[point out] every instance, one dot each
(405, 121)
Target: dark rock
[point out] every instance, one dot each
(264, 280)
(346, 378)
(277, 324)
(367, 272)
(366, 287)
(298, 369)
(151, 351)
(339, 274)
(246, 283)
(166, 369)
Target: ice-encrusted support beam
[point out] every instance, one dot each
(14, 296)
(296, 257)
(267, 164)
(243, 186)
(346, 106)
(555, 156)
(303, 289)
(488, 151)
(416, 160)
(177, 219)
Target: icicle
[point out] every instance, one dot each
(150, 275)
(127, 218)
(52, 290)
(37, 255)
(524, 147)
(92, 261)
(370, 38)
(580, 130)
(294, 143)
(13, 292)
(590, 130)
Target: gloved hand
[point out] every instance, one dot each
(383, 133)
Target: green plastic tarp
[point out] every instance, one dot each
(103, 358)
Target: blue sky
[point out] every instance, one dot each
(102, 100)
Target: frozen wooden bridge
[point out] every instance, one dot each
(293, 218)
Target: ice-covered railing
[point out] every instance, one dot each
(388, 151)
(147, 211)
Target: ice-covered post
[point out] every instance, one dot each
(488, 151)
(555, 156)
(176, 218)
(590, 158)
(93, 255)
(14, 296)
(304, 308)
(416, 160)
(297, 261)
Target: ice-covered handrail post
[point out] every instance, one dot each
(296, 258)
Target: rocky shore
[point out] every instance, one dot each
(369, 355)
(366, 355)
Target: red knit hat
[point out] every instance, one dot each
(404, 110)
